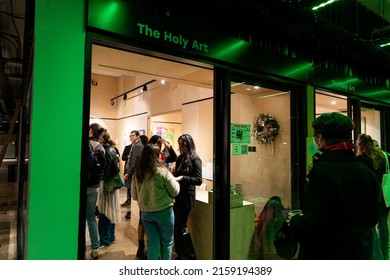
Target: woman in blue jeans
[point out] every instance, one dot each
(154, 188)
(94, 183)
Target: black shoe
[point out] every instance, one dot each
(142, 255)
(128, 216)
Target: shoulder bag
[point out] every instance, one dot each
(113, 183)
(386, 182)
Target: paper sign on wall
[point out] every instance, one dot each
(240, 133)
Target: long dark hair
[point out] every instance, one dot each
(365, 146)
(97, 130)
(187, 151)
(107, 138)
(149, 162)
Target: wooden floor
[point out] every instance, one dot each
(124, 248)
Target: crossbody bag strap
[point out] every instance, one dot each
(387, 161)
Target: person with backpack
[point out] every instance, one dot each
(108, 202)
(96, 164)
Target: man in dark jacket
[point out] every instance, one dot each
(341, 197)
(132, 162)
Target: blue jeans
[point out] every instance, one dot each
(159, 231)
(92, 195)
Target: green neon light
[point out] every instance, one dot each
(232, 49)
(384, 45)
(298, 70)
(323, 4)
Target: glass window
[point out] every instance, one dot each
(260, 168)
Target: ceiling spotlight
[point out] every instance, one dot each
(162, 82)
(125, 96)
(112, 102)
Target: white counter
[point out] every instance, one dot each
(201, 227)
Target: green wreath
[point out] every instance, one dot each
(265, 128)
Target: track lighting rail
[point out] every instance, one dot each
(143, 86)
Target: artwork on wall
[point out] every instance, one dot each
(165, 133)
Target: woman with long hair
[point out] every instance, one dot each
(154, 187)
(372, 156)
(108, 202)
(188, 172)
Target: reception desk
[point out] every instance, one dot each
(242, 227)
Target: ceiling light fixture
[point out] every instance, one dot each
(142, 87)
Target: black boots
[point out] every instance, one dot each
(141, 250)
(183, 246)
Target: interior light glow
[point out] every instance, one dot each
(333, 102)
(162, 82)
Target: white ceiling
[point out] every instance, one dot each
(113, 62)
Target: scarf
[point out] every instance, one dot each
(338, 146)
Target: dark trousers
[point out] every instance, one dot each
(183, 243)
(106, 230)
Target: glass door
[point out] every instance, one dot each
(371, 121)
(260, 167)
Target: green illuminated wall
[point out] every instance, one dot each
(53, 208)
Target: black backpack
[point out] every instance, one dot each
(96, 164)
(111, 167)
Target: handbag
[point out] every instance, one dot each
(386, 182)
(113, 183)
(286, 243)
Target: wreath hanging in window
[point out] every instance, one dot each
(265, 128)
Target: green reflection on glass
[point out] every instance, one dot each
(109, 13)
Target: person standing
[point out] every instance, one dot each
(132, 162)
(108, 202)
(141, 229)
(341, 197)
(167, 154)
(188, 172)
(125, 157)
(372, 156)
(95, 179)
(154, 187)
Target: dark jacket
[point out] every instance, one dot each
(341, 198)
(132, 161)
(126, 153)
(111, 167)
(191, 177)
